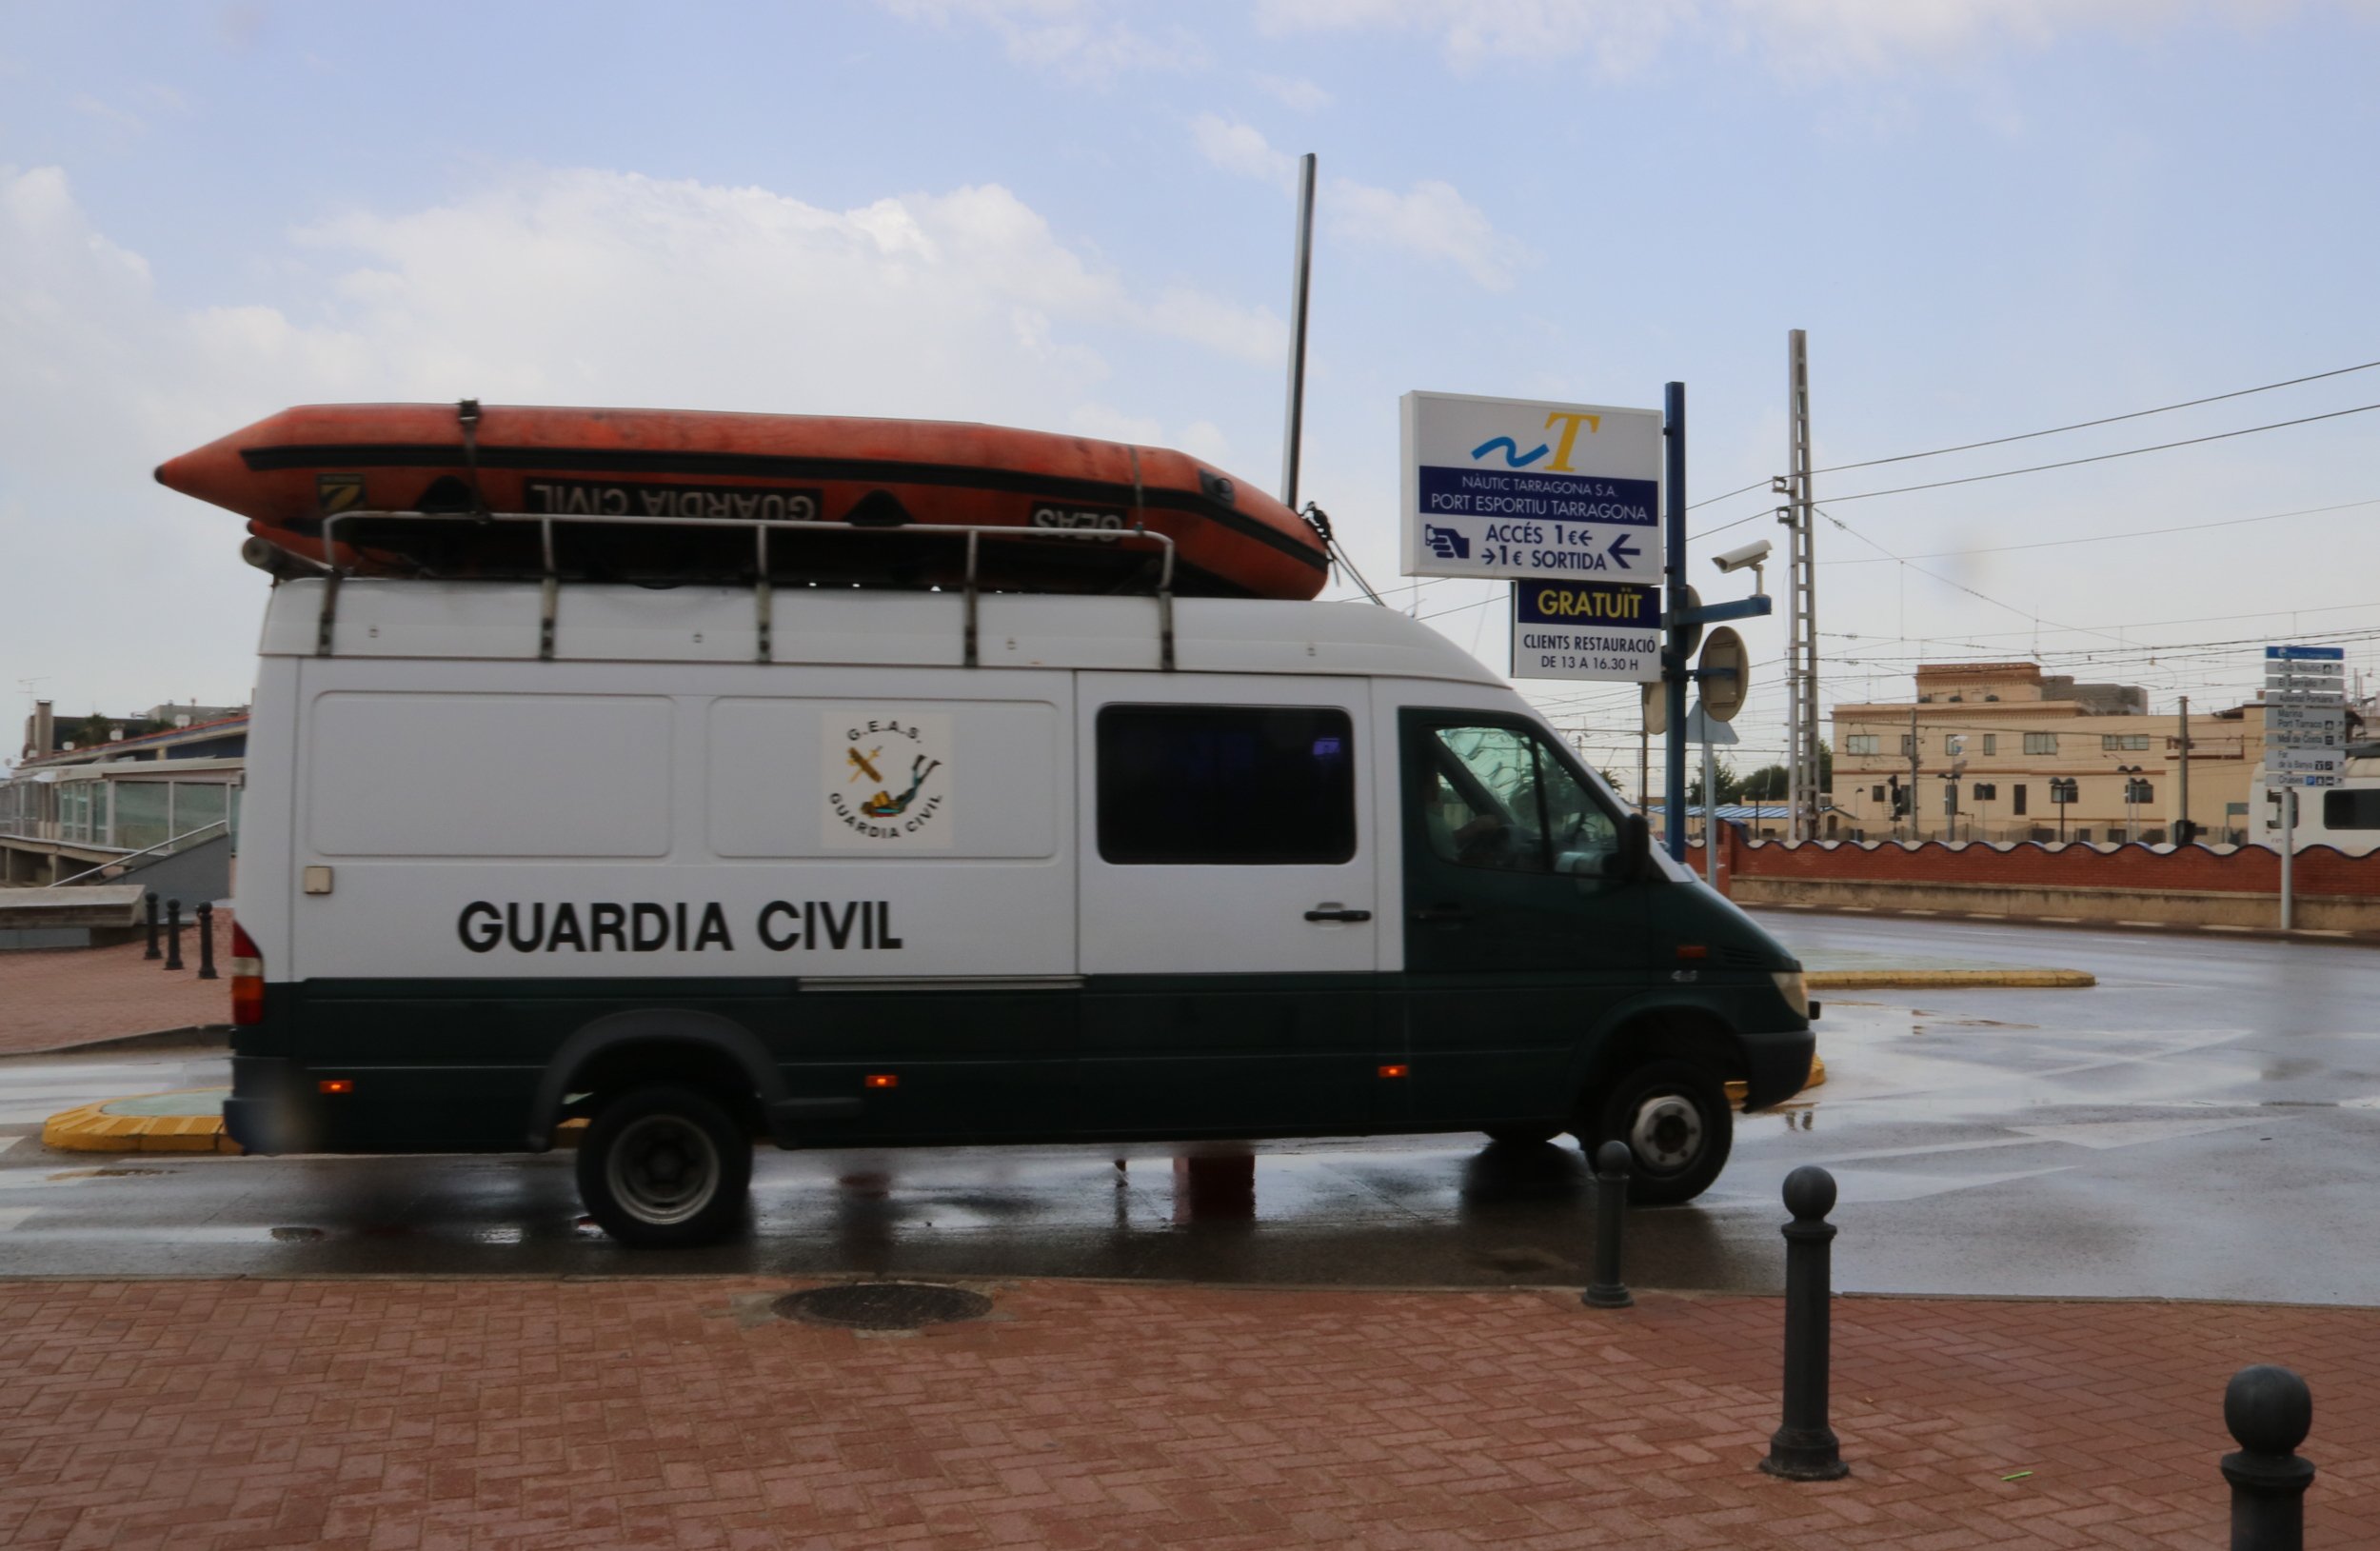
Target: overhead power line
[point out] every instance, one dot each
(2105, 419)
(2103, 538)
(2103, 457)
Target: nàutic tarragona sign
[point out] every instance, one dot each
(1564, 499)
(1530, 490)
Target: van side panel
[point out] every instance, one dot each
(864, 870)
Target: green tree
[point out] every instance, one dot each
(1767, 785)
(1729, 788)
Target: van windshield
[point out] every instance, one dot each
(1497, 797)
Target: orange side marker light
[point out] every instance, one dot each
(1397, 1070)
(1693, 951)
(337, 1085)
(881, 1080)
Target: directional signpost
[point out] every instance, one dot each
(2305, 733)
(1584, 508)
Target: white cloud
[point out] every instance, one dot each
(1238, 148)
(1071, 37)
(1431, 220)
(554, 286)
(1295, 93)
(1824, 36)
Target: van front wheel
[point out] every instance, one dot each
(663, 1167)
(1674, 1117)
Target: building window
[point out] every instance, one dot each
(1862, 742)
(1987, 791)
(1909, 745)
(1990, 742)
(1875, 794)
(1189, 784)
(2115, 742)
(2040, 743)
(2016, 800)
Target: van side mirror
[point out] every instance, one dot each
(1632, 858)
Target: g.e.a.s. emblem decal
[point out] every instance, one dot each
(887, 780)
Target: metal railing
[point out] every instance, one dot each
(763, 590)
(163, 847)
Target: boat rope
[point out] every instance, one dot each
(1320, 522)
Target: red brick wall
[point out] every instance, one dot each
(2251, 869)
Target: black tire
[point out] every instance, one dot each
(666, 1167)
(1674, 1117)
(1522, 1136)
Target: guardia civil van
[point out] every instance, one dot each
(881, 867)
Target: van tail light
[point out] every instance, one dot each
(247, 978)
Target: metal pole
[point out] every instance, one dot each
(2185, 827)
(1295, 429)
(1917, 803)
(2267, 1411)
(1805, 1448)
(1710, 818)
(1673, 661)
(1611, 1215)
(1644, 769)
(174, 934)
(2289, 850)
(148, 901)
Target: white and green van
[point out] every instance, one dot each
(891, 868)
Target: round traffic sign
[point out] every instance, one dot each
(1657, 706)
(1723, 697)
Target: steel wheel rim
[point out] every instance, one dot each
(1666, 1132)
(664, 1170)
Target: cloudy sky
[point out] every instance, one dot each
(1992, 217)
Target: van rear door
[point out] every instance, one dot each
(1230, 930)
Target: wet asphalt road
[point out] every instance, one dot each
(2205, 1123)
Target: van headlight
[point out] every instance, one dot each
(1790, 987)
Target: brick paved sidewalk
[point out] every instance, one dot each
(53, 998)
(384, 1415)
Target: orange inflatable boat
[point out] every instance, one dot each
(715, 474)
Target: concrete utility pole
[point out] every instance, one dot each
(1801, 651)
(2185, 741)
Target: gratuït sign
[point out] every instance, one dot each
(1594, 631)
(1531, 490)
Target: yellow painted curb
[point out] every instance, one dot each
(1918, 980)
(91, 1129)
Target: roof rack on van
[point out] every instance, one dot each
(762, 590)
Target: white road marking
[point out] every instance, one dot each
(2102, 1135)
(8, 1142)
(12, 1216)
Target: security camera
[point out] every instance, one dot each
(1742, 555)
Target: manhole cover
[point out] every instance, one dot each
(883, 1306)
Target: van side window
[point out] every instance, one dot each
(1497, 797)
(1187, 785)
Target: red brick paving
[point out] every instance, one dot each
(398, 1416)
(57, 997)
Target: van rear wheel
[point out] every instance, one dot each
(664, 1167)
(1674, 1117)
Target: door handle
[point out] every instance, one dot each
(1442, 912)
(1332, 912)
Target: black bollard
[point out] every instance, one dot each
(1611, 1215)
(174, 934)
(1805, 1448)
(149, 901)
(2270, 1411)
(207, 941)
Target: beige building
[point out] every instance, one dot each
(1991, 738)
